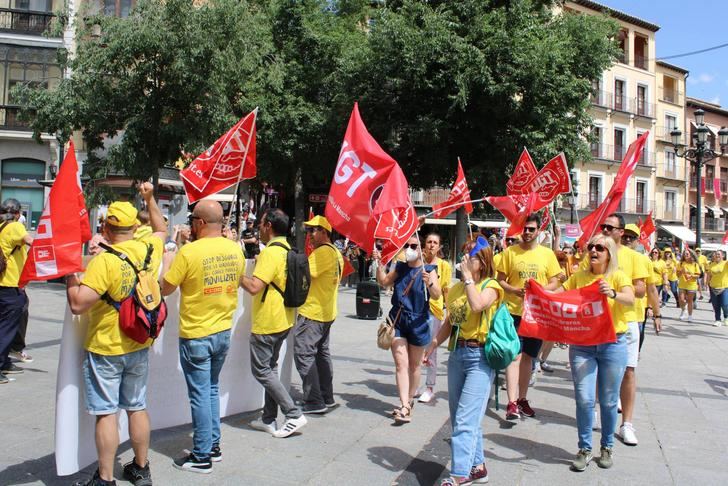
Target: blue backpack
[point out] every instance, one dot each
(502, 344)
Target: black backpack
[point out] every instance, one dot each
(298, 278)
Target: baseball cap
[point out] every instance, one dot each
(319, 221)
(122, 214)
(632, 228)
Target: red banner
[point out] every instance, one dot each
(458, 194)
(716, 189)
(360, 194)
(63, 227)
(580, 317)
(590, 223)
(229, 160)
(552, 180)
(522, 175)
(646, 229)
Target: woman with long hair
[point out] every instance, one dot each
(688, 271)
(717, 280)
(671, 270)
(471, 306)
(601, 367)
(414, 284)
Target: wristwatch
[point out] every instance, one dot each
(614, 294)
(469, 281)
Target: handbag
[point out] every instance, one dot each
(385, 332)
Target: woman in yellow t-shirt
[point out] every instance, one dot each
(671, 271)
(688, 271)
(471, 306)
(599, 367)
(717, 281)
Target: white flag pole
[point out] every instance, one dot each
(242, 166)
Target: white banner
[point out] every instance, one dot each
(167, 401)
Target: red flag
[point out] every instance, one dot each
(229, 160)
(725, 238)
(63, 227)
(522, 175)
(515, 209)
(546, 220)
(716, 189)
(590, 223)
(361, 181)
(308, 244)
(580, 317)
(348, 268)
(552, 180)
(396, 217)
(646, 229)
(459, 194)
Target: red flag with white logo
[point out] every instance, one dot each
(590, 223)
(524, 171)
(63, 227)
(229, 160)
(546, 220)
(459, 196)
(647, 228)
(361, 180)
(579, 317)
(515, 209)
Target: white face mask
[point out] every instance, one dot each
(411, 255)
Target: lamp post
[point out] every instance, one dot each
(699, 154)
(572, 202)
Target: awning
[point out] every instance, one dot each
(680, 232)
(440, 221)
(705, 210)
(491, 224)
(714, 209)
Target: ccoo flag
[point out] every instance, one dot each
(63, 227)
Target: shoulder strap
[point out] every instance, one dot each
(121, 256)
(482, 313)
(281, 245)
(338, 265)
(265, 292)
(2, 227)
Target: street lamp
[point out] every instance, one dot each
(572, 202)
(699, 154)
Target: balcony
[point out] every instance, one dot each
(606, 99)
(670, 213)
(589, 202)
(602, 99)
(709, 224)
(9, 119)
(615, 153)
(25, 21)
(669, 172)
(429, 197)
(670, 96)
(640, 62)
(662, 134)
(642, 108)
(638, 206)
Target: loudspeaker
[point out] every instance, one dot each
(367, 300)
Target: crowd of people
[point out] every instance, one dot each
(206, 263)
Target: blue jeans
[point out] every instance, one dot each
(468, 381)
(599, 366)
(720, 303)
(201, 361)
(673, 289)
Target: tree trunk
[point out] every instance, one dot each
(461, 229)
(300, 209)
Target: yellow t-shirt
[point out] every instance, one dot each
(271, 317)
(475, 325)
(107, 273)
(658, 269)
(520, 265)
(691, 269)
(703, 262)
(671, 269)
(143, 232)
(444, 272)
(640, 304)
(718, 275)
(616, 280)
(496, 260)
(326, 265)
(11, 238)
(207, 272)
(634, 266)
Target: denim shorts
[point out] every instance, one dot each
(416, 333)
(114, 382)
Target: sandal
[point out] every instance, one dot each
(403, 415)
(453, 481)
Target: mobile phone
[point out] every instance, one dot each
(454, 334)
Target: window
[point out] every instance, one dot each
(596, 142)
(595, 191)
(669, 89)
(644, 157)
(618, 144)
(693, 176)
(670, 167)
(622, 43)
(640, 52)
(709, 176)
(19, 178)
(619, 94)
(118, 8)
(641, 193)
(723, 181)
(642, 105)
(670, 210)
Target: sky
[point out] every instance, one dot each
(687, 26)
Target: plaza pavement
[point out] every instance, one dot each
(680, 418)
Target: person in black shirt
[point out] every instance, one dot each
(250, 240)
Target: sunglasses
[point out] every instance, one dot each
(628, 237)
(313, 230)
(609, 227)
(599, 248)
(411, 245)
(530, 229)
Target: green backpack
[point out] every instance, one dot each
(502, 344)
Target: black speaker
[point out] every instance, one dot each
(367, 300)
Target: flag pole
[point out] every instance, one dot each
(461, 203)
(236, 196)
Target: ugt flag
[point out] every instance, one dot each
(63, 227)
(580, 317)
(459, 196)
(646, 230)
(362, 193)
(522, 175)
(228, 161)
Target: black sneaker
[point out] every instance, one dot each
(316, 409)
(192, 464)
(13, 370)
(95, 481)
(138, 476)
(4, 379)
(216, 453)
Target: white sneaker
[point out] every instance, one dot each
(627, 434)
(532, 381)
(426, 396)
(290, 426)
(690, 318)
(21, 356)
(683, 315)
(718, 323)
(258, 424)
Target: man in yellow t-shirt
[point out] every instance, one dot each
(13, 300)
(315, 317)
(703, 262)
(272, 322)
(431, 251)
(520, 263)
(207, 271)
(634, 266)
(115, 367)
(651, 300)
